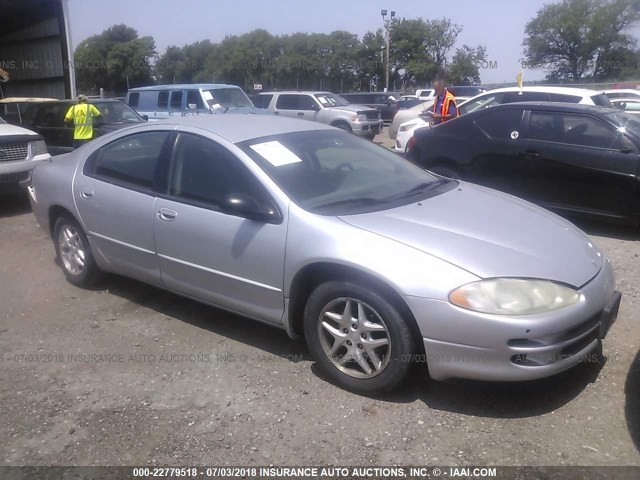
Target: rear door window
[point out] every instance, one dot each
(288, 102)
(163, 100)
(176, 100)
(134, 98)
(571, 129)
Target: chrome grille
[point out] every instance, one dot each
(13, 151)
(371, 114)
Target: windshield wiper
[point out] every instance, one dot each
(420, 188)
(350, 202)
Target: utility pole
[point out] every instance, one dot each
(387, 24)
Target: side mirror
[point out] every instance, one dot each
(192, 106)
(316, 107)
(145, 118)
(246, 206)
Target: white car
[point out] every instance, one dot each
(534, 94)
(408, 114)
(622, 93)
(628, 105)
(20, 151)
(405, 132)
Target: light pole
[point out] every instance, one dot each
(387, 24)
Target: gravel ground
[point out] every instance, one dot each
(173, 382)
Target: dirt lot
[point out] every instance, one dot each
(175, 382)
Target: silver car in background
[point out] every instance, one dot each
(377, 263)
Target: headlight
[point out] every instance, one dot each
(406, 128)
(512, 296)
(361, 117)
(38, 147)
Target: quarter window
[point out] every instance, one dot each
(130, 161)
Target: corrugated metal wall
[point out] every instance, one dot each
(33, 49)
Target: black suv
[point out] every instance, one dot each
(47, 119)
(387, 103)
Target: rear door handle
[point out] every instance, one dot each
(167, 214)
(301, 114)
(86, 193)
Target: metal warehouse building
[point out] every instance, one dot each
(35, 49)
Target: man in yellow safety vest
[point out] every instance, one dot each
(81, 115)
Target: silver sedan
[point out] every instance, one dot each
(377, 263)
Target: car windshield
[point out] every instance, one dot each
(481, 102)
(335, 173)
(117, 112)
(331, 100)
(226, 98)
(627, 123)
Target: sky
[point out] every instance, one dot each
(497, 24)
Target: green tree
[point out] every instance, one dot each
(581, 38)
(114, 60)
(464, 68)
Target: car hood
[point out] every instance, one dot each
(490, 234)
(352, 108)
(241, 110)
(7, 129)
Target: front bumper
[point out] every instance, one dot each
(463, 344)
(367, 129)
(19, 172)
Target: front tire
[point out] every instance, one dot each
(74, 253)
(357, 337)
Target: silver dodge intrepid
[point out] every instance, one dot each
(377, 263)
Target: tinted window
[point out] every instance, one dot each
(488, 100)
(194, 97)
(262, 101)
(296, 102)
(500, 123)
(117, 112)
(601, 100)
(206, 173)
(514, 97)
(130, 161)
(561, 97)
(176, 100)
(163, 100)
(134, 98)
(571, 129)
(52, 115)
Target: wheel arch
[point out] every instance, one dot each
(57, 211)
(314, 274)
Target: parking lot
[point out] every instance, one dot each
(127, 374)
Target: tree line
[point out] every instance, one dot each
(572, 39)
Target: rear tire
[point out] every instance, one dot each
(357, 337)
(74, 253)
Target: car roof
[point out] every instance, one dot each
(582, 92)
(27, 99)
(556, 106)
(240, 127)
(307, 92)
(623, 90)
(183, 86)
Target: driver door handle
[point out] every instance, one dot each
(86, 193)
(167, 214)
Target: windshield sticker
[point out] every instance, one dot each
(322, 100)
(276, 154)
(207, 95)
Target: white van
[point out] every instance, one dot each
(162, 101)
